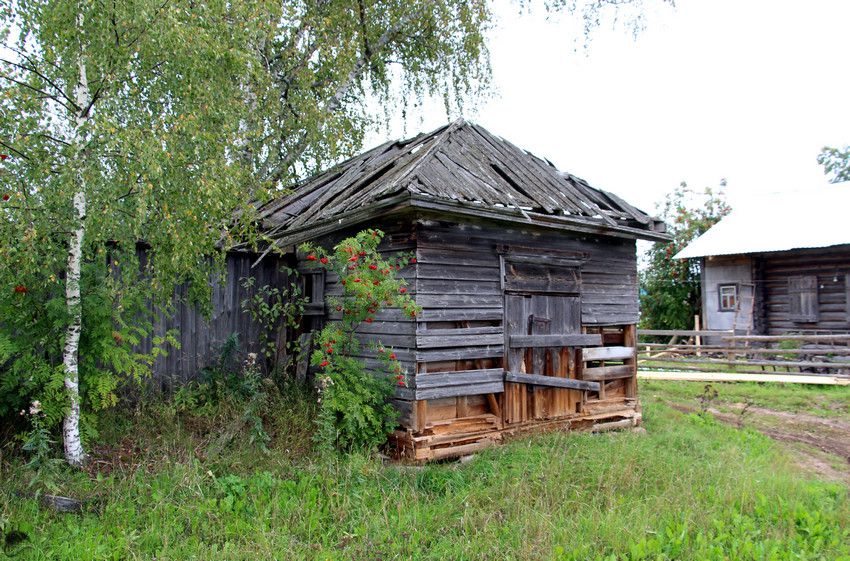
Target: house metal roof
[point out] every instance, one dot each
(460, 168)
(816, 217)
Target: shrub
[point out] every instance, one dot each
(670, 287)
(354, 411)
(116, 319)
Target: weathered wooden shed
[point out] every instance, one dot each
(527, 277)
(778, 264)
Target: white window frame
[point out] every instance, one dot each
(721, 296)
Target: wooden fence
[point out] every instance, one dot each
(723, 351)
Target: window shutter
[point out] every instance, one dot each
(803, 299)
(542, 278)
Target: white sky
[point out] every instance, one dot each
(746, 90)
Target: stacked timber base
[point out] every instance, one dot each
(463, 436)
(574, 381)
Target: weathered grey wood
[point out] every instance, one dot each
(457, 391)
(406, 409)
(608, 353)
(611, 298)
(847, 297)
(451, 332)
(551, 381)
(458, 377)
(439, 340)
(437, 355)
(515, 314)
(569, 340)
(202, 338)
(469, 314)
(563, 263)
(534, 277)
(693, 349)
(682, 332)
(431, 271)
(608, 372)
(837, 337)
(803, 299)
(303, 363)
(829, 267)
(455, 301)
(775, 363)
(448, 286)
(459, 210)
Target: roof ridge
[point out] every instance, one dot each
(439, 138)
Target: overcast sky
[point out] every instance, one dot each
(744, 90)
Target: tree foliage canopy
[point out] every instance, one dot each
(836, 163)
(670, 287)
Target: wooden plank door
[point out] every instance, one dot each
(540, 314)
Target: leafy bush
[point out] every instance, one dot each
(32, 332)
(354, 409)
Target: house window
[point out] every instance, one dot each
(728, 297)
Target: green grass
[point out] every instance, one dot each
(823, 401)
(689, 488)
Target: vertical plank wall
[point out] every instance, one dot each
(201, 338)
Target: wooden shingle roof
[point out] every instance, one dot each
(460, 168)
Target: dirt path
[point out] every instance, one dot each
(822, 445)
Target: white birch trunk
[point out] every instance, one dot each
(74, 453)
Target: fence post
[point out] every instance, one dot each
(697, 338)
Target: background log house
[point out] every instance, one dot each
(779, 264)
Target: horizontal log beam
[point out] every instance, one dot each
(551, 381)
(776, 363)
(572, 340)
(682, 333)
(458, 378)
(811, 338)
(459, 391)
(601, 373)
(608, 353)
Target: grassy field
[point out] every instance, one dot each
(691, 487)
(825, 401)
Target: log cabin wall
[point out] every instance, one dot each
(806, 289)
(460, 336)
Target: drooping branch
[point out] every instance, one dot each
(41, 93)
(353, 77)
(14, 150)
(34, 70)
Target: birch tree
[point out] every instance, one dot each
(119, 124)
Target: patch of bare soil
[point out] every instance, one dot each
(796, 417)
(829, 437)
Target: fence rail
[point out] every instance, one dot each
(723, 351)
